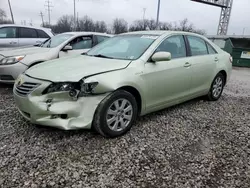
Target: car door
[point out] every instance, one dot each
(8, 37)
(168, 81)
(203, 60)
(27, 36)
(79, 45)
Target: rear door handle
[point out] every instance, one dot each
(12, 42)
(216, 59)
(187, 64)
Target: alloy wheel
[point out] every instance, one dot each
(217, 87)
(119, 115)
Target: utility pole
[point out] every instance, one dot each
(49, 6)
(144, 12)
(158, 14)
(74, 13)
(12, 17)
(41, 14)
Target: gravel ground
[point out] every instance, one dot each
(196, 144)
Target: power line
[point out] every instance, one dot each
(49, 6)
(42, 15)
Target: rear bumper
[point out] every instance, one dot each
(9, 73)
(63, 112)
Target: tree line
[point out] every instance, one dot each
(66, 23)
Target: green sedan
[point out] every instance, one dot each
(130, 75)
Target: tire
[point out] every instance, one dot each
(217, 87)
(111, 119)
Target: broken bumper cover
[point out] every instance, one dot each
(62, 112)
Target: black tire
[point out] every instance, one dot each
(211, 95)
(100, 122)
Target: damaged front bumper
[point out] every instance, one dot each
(56, 109)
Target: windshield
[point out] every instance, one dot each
(56, 40)
(128, 47)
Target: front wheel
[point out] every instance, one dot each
(216, 87)
(116, 114)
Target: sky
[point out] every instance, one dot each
(202, 16)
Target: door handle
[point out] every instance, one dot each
(187, 64)
(216, 59)
(12, 42)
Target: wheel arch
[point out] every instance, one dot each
(224, 73)
(136, 94)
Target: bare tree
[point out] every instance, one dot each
(3, 17)
(138, 25)
(185, 25)
(64, 24)
(100, 26)
(86, 24)
(119, 26)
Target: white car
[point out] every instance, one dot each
(14, 62)
(12, 35)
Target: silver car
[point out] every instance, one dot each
(13, 35)
(14, 62)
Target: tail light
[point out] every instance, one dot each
(231, 59)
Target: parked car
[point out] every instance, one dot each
(128, 75)
(12, 35)
(14, 62)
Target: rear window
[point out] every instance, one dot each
(27, 33)
(42, 34)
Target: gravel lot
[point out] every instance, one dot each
(196, 144)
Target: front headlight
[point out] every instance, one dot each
(11, 60)
(65, 86)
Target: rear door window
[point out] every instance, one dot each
(8, 32)
(197, 46)
(42, 34)
(27, 33)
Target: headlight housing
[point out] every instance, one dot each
(87, 87)
(11, 60)
(64, 86)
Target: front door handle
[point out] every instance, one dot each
(187, 64)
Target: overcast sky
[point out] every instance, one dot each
(202, 16)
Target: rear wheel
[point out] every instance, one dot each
(116, 114)
(216, 87)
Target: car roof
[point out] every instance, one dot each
(159, 32)
(27, 26)
(79, 33)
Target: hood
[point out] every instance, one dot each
(74, 68)
(23, 51)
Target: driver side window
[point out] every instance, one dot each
(81, 43)
(175, 45)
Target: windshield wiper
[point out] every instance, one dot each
(103, 56)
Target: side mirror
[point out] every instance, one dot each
(161, 56)
(66, 48)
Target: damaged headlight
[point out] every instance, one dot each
(58, 87)
(87, 88)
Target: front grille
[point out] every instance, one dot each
(26, 88)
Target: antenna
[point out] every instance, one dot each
(49, 6)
